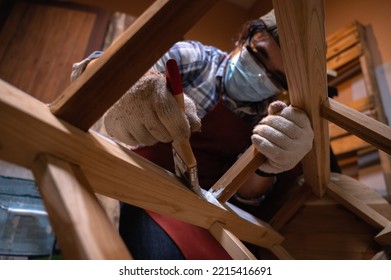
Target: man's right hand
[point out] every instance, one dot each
(148, 113)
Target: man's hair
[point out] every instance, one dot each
(266, 22)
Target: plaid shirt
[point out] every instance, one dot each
(202, 69)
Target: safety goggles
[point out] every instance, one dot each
(264, 53)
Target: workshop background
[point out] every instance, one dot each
(63, 32)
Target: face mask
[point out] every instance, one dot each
(245, 80)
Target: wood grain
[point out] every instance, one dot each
(82, 227)
(302, 37)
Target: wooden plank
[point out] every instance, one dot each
(346, 31)
(355, 205)
(234, 247)
(124, 62)
(302, 38)
(348, 144)
(82, 227)
(384, 237)
(111, 169)
(364, 104)
(368, 129)
(290, 208)
(281, 253)
(351, 54)
(372, 87)
(237, 174)
(345, 72)
(344, 43)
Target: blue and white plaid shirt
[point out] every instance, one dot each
(202, 69)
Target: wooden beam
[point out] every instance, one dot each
(355, 205)
(234, 247)
(302, 37)
(384, 237)
(124, 62)
(28, 128)
(368, 129)
(82, 227)
(290, 208)
(237, 174)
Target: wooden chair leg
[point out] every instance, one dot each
(82, 227)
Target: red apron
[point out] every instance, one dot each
(223, 137)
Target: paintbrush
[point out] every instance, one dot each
(184, 159)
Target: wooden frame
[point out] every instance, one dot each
(56, 144)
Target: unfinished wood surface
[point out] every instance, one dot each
(368, 129)
(348, 144)
(29, 128)
(126, 60)
(290, 208)
(345, 57)
(341, 44)
(354, 204)
(281, 253)
(82, 227)
(237, 175)
(372, 87)
(336, 36)
(302, 37)
(234, 247)
(384, 237)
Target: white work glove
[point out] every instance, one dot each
(148, 113)
(284, 137)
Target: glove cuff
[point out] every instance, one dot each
(264, 174)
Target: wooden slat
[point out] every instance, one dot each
(348, 144)
(354, 204)
(302, 38)
(124, 62)
(372, 87)
(345, 72)
(237, 175)
(290, 208)
(360, 105)
(342, 44)
(28, 128)
(234, 247)
(384, 237)
(345, 57)
(336, 36)
(368, 129)
(281, 253)
(82, 227)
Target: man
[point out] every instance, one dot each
(227, 98)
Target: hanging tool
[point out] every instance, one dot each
(184, 159)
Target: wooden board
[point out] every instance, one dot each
(122, 64)
(82, 227)
(302, 38)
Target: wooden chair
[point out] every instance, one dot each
(71, 163)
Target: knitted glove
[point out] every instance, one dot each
(284, 137)
(148, 113)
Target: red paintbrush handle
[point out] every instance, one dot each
(174, 81)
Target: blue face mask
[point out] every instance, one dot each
(245, 80)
